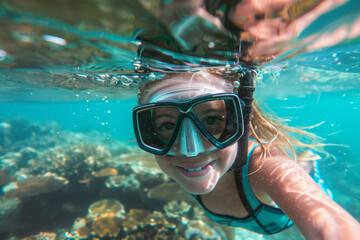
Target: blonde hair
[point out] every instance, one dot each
(268, 131)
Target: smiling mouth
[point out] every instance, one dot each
(197, 169)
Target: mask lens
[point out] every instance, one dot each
(219, 117)
(157, 125)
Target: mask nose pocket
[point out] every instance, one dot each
(189, 138)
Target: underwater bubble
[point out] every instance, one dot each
(3, 55)
(104, 76)
(127, 85)
(54, 39)
(137, 64)
(211, 44)
(152, 76)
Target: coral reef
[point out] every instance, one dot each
(105, 172)
(106, 219)
(9, 213)
(72, 160)
(84, 187)
(34, 185)
(176, 209)
(123, 182)
(107, 206)
(42, 236)
(17, 133)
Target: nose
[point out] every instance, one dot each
(189, 141)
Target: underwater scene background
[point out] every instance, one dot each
(70, 166)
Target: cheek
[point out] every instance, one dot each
(227, 156)
(163, 163)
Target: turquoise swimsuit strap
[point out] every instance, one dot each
(240, 174)
(253, 201)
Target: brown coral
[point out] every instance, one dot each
(106, 207)
(142, 224)
(42, 236)
(176, 209)
(72, 160)
(107, 225)
(81, 229)
(105, 172)
(34, 185)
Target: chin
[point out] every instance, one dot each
(198, 187)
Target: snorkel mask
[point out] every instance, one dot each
(181, 125)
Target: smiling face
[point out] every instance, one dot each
(193, 161)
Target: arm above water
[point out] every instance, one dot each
(295, 192)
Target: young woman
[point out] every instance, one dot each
(197, 126)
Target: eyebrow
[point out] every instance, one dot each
(206, 111)
(161, 115)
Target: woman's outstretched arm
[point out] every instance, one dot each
(295, 192)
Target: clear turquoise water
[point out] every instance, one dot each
(316, 87)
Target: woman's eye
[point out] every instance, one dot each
(212, 120)
(166, 127)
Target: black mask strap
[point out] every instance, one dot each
(245, 93)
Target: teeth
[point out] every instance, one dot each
(197, 169)
(194, 170)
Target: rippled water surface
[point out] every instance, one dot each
(69, 72)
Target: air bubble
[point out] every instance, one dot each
(152, 76)
(211, 44)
